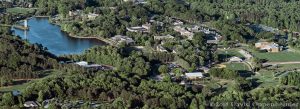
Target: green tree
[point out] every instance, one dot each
(163, 69)
(8, 99)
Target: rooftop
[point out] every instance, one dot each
(194, 74)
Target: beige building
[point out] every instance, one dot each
(92, 16)
(184, 32)
(269, 46)
(163, 37)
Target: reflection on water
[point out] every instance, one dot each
(50, 36)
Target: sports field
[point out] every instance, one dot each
(278, 57)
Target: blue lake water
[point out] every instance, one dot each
(50, 36)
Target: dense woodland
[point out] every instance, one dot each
(120, 89)
(292, 78)
(20, 60)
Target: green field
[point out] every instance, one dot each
(18, 10)
(230, 52)
(237, 66)
(278, 57)
(266, 78)
(15, 87)
(288, 67)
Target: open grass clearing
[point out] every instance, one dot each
(20, 84)
(284, 67)
(282, 56)
(14, 87)
(19, 10)
(237, 66)
(266, 78)
(229, 53)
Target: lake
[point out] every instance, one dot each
(50, 36)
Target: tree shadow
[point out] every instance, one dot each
(245, 73)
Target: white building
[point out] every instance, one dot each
(30, 104)
(82, 63)
(161, 48)
(194, 75)
(137, 29)
(178, 22)
(147, 26)
(235, 59)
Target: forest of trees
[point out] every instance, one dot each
(282, 14)
(223, 73)
(21, 60)
(292, 78)
(128, 88)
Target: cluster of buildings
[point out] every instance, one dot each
(268, 46)
(184, 32)
(120, 39)
(188, 75)
(189, 31)
(80, 14)
(184, 78)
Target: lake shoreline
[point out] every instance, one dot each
(55, 39)
(107, 41)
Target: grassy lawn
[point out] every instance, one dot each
(14, 87)
(278, 57)
(18, 10)
(266, 78)
(230, 53)
(237, 66)
(288, 67)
